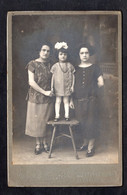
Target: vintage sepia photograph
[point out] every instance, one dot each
(64, 98)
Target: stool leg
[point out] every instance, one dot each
(52, 140)
(72, 138)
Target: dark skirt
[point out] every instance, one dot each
(86, 112)
(37, 117)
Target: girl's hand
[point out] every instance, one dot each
(71, 104)
(52, 94)
(72, 89)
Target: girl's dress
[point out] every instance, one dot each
(39, 107)
(86, 94)
(62, 79)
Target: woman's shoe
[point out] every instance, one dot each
(90, 153)
(38, 149)
(46, 148)
(82, 148)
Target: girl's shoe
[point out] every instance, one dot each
(67, 119)
(90, 153)
(56, 119)
(46, 148)
(38, 149)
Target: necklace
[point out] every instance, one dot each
(64, 71)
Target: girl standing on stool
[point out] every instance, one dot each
(62, 84)
(88, 84)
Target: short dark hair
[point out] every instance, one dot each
(46, 43)
(61, 50)
(90, 48)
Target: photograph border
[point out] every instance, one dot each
(61, 175)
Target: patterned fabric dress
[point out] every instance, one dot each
(86, 95)
(39, 107)
(62, 78)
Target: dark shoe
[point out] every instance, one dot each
(67, 119)
(46, 148)
(56, 119)
(91, 153)
(82, 148)
(38, 150)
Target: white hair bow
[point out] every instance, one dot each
(60, 45)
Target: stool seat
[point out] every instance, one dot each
(63, 122)
(70, 123)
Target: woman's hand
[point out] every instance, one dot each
(48, 93)
(71, 104)
(100, 81)
(52, 92)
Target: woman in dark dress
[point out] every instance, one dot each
(40, 106)
(88, 81)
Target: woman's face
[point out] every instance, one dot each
(62, 56)
(45, 52)
(84, 54)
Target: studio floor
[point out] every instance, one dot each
(63, 153)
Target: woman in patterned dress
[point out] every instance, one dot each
(40, 105)
(88, 84)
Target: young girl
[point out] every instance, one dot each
(62, 84)
(88, 87)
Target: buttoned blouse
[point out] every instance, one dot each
(42, 77)
(86, 81)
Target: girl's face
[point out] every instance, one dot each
(84, 54)
(45, 52)
(62, 56)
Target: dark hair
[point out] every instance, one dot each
(90, 48)
(61, 50)
(48, 44)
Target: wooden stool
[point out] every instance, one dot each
(64, 123)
